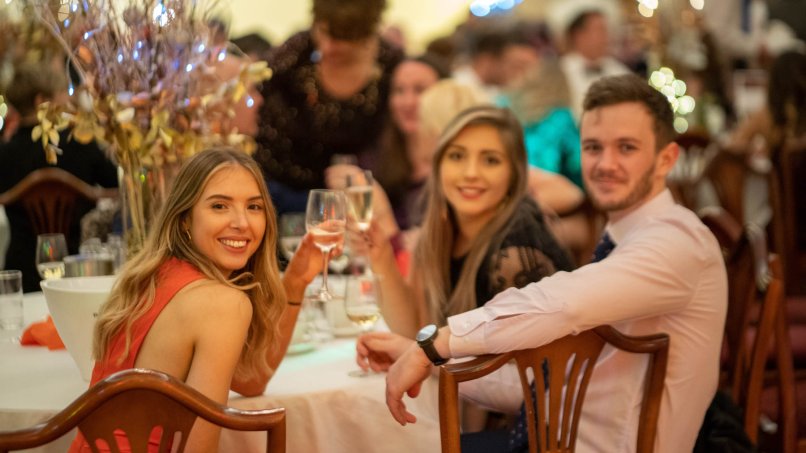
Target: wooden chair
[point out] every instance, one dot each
(49, 197)
(727, 172)
(142, 404)
(744, 251)
(565, 393)
(788, 199)
(753, 329)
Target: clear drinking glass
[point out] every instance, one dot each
(50, 252)
(361, 303)
(292, 229)
(359, 200)
(11, 311)
(325, 219)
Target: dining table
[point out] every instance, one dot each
(327, 409)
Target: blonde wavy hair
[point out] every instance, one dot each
(134, 291)
(432, 254)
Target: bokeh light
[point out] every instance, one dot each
(674, 89)
(482, 8)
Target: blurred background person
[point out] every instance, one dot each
(328, 95)
(403, 165)
(587, 55)
(541, 100)
(254, 45)
(34, 83)
(481, 63)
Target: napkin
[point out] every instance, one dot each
(42, 333)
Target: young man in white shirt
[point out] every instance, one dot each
(665, 274)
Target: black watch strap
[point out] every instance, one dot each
(425, 338)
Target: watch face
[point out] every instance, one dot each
(426, 332)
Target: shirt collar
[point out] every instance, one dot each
(658, 204)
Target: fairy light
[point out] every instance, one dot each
(482, 8)
(674, 89)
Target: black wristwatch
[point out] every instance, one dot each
(425, 338)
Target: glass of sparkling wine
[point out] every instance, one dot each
(50, 252)
(361, 298)
(325, 219)
(359, 198)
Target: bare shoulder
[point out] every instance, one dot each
(211, 300)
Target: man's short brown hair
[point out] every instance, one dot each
(349, 20)
(613, 90)
(30, 80)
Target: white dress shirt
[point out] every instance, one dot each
(579, 78)
(666, 274)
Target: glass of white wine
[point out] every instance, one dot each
(361, 303)
(325, 219)
(50, 252)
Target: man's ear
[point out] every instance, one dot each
(667, 157)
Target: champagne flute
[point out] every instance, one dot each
(325, 219)
(359, 199)
(50, 252)
(361, 298)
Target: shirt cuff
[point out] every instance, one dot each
(467, 334)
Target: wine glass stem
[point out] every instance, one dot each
(323, 291)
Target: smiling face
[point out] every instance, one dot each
(475, 172)
(228, 222)
(409, 81)
(621, 165)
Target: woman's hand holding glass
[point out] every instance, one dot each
(305, 265)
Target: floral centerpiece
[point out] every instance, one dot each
(148, 91)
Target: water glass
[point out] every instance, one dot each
(292, 229)
(11, 317)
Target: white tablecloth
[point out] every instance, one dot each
(327, 410)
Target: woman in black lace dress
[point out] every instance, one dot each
(328, 95)
(481, 234)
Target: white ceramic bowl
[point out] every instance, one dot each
(73, 303)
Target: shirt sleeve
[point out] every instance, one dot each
(649, 274)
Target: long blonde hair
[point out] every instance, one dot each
(432, 254)
(134, 291)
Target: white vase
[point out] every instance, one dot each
(73, 304)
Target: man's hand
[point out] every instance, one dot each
(379, 350)
(406, 375)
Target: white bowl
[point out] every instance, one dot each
(74, 303)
